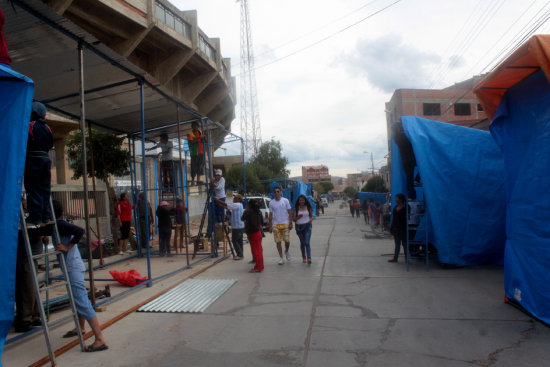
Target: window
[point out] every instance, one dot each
(480, 107)
(463, 109)
(172, 20)
(432, 109)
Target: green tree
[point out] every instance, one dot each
(254, 173)
(375, 184)
(351, 192)
(110, 159)
(270, 156)
(323, 187)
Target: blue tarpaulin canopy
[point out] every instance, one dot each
(521, 127)
(516, 96)
(462, 175)
(16, 92)
(377, 197)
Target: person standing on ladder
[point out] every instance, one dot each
(195, 140)
(218, 186)
(38, 167)
(166, 164)
(237, 225)
(68, 244)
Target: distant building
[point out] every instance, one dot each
(456, 105)
(315, 174)
(357, 180)
(337, 181)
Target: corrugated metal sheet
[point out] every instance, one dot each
(194, 295)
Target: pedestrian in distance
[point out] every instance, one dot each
(124, 216)
(237, 225)
(164, 213)
(365, 211)
(398, 227)
(143, 230)
(280, 223)
(253, 224)
(68, 245)
(303, 216)
(357, 208)
(218, 185)
(37, 174)
(372, 210)
(351, 208)
(195, 140)
(180, 229)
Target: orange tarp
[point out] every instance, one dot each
(532, 56)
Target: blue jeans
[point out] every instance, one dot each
(219, 211)
(304, 234)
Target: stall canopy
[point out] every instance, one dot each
(521, 127)
(461, 171)
(16, 93)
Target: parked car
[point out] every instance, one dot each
(263, 202)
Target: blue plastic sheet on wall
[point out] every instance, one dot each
(521, 127)
(462, 173)
(16, 92)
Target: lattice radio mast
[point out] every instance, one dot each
(250, 113)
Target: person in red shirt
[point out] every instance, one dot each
(196, 150)
(124, 215)
(4, 53)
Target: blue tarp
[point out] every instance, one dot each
(298, 188)
(16, 92)
(462, 173)
(521, 127)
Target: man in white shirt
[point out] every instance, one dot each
(237, 225)
(166, 165)
(280, 222)
(218, 185)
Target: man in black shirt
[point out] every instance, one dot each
(38, 167)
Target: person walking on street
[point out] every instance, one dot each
(253, 224)
(365, 210)
(303, 216)
(142, 228)
(357, 207)
(237, 225)
(398, 227)
(372, 211)
(351, 208)
(280, 223)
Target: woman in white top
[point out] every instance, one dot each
(303, 216)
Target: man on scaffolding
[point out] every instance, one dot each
(166, 165)
(195, 140)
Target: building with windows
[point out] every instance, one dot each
(315, 174)
(456, 105)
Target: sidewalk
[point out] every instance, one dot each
(349, 308)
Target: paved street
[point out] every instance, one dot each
(349, 308)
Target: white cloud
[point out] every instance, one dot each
(389, 63)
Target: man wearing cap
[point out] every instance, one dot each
(237, 225)
(219, 193)
(38, 167)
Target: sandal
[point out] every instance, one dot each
(72, 334)
(90, 348)
(253, 271)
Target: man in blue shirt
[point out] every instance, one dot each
(237, 225)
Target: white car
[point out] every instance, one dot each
(263, 202)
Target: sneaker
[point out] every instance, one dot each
(281, 261)
(121, 253)
(309, 261)
(304, 260)
(288, 256)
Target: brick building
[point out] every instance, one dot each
(315, 174)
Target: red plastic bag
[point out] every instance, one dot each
(130, 278)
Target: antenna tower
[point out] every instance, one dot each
(250, 113)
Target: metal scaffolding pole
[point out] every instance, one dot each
(85, 168)
(144, 181)
(184, 225)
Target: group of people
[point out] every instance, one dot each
(281, 221)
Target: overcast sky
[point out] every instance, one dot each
(324, 100)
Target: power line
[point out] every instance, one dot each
(328, 37)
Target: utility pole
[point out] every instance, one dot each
(372, 163)
(250, 114)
